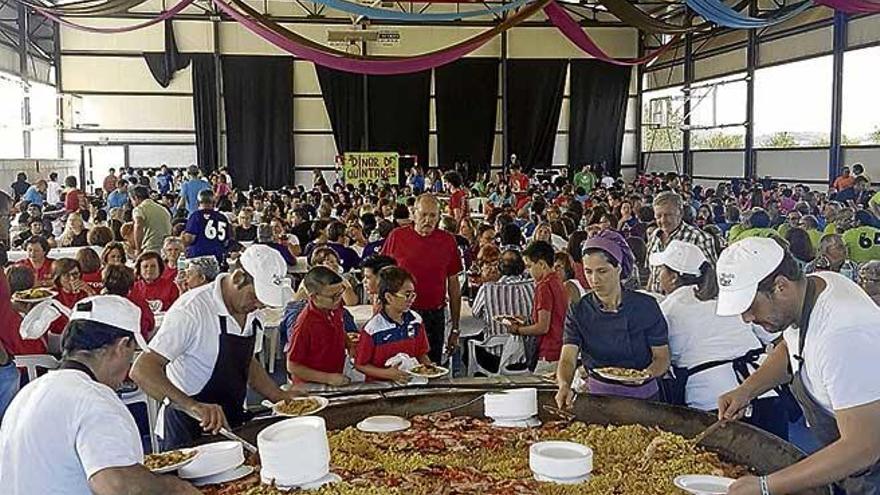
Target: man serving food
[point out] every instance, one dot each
(830, 356)
(201, 360)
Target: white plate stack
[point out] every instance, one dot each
(565, 463)
(295, 453)
(215, 460)
(515, 408)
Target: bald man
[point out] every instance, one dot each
(431, 256)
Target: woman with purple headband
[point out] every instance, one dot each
(612, 326)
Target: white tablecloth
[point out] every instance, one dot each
(54, 253)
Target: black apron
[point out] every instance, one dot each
(68, 364)
(821, 423)
(227, 387)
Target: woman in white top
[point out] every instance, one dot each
(711, 354)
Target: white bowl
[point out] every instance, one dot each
(383, 424)
(214, 458)
(514, 404)
(295, 451)
(560, 460)
(701, 484)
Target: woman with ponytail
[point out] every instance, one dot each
(711, 354)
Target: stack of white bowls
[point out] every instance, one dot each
(564, 463)
(295, 452)
(213, 459)
(513, 408)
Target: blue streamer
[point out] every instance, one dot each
(394, 15)
(721, 14)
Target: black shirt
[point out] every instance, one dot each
(246, 234)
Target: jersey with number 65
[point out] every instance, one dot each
(863, 243)
(213, 234)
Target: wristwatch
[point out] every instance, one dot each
(455, 331)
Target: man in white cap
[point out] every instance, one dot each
(201, 359)
(67, 432)
(832, 353)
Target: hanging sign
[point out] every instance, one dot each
(370, 167)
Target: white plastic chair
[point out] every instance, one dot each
(475, 205)
(473, 366)
(33, 363)
(139, 397)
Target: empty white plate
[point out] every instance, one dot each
(383, 424)
(224, 477)
(703, 484)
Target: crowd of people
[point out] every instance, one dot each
(690, 285)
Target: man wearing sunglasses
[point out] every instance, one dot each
(318, 341)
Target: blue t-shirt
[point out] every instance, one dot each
(622, 339)
(33, 196)
(418, 183)
(372, 248)
(190, 190)
(213, 234)
(116, 199)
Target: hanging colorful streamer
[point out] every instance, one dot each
(572, 30)
(719, 13)
(394, 15)
(168, 14)
(852, 6)
(335, 59)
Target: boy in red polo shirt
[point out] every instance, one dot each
(395, 329)
(318, 343)
(551, 304)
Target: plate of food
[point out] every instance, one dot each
(429, 371)
(301, 406)
(38, 294)
(172, 460)
(628, 376)
(507, 319)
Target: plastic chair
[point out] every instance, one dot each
(475, 367)
(152, 407)
(32, 363)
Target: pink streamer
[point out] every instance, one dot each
(168, 14)
(570, 28)
(373, 67)
(852, 6)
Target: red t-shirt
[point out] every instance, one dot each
(148, 321)
(318, 340)
(430, 259)
(170, 273)
(458, 201)
(11, 323)
(94, 281)
(579, 274)
(71, 200)
(383, 338)
(68, 299)
(43, 275)
(158, 290)
(520, 180)
(550, 295)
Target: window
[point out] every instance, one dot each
(11, 135)
(718, 113)
(44, 121)
(861, 106)
(662, 113)
(793, 104)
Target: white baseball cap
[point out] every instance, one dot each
(683, 257)
(740, 269)
(269, 270)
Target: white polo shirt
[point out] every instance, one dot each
(696, 336)
(59, 431)
(189, 337)
(842, 348)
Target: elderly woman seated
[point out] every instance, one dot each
(198, 271)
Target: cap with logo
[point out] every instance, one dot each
(680, 256)
(269, 270)
(740, 269)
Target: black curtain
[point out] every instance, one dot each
(164, 64)
(597, 114)
(398, 114)
(258, 99)
(535, 89)
(204, 86)
(466, 101)
(343, 94)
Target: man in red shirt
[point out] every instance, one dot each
(551, 304)
(458, 202)
(73, 195)
(431, 256)
(318, 342)
(519, 182)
